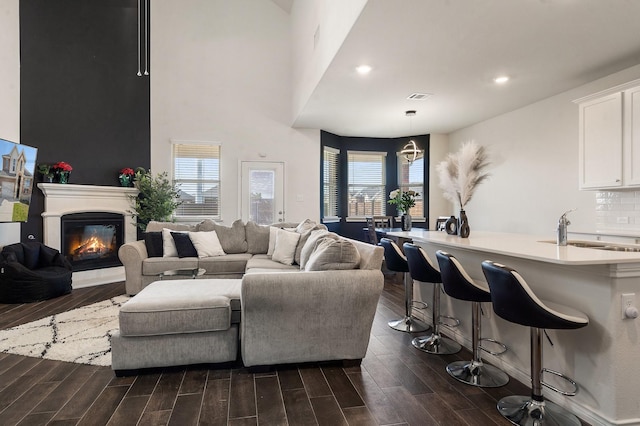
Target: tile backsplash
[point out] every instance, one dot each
(618, 210)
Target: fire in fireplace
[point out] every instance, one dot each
(91, 240)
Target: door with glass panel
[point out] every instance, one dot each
(262, 192)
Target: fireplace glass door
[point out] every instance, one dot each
(91, 240)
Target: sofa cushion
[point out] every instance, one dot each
(224, 265)
(175, 307)
(304, 236)
(153, 243)
(184, 246)
(257, 238)
(206, 243)
(310, 244)
(264, 262)
(155, 226)
(285, 248)
(157, 265)
(233, 239)
(331, 254)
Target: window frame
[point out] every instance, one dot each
(382, 185)
(178, 181)
(401, 160)
(330, 184)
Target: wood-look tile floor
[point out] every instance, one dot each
(395, 385)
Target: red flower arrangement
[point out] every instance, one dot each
(61, 166)
(127, 171)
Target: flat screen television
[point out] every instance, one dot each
(17, 177)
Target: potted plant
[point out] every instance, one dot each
(157, 198)
(46, 171)
(403, 200)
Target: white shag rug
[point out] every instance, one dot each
(82, 335)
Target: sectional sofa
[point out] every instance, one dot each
(313, 300)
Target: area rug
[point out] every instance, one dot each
(82, 335)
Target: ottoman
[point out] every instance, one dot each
(178, 322)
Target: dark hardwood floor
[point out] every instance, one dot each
(395, 385)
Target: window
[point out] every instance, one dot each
(330, 183)
(367, 194)
(196, 171)
(411, 177)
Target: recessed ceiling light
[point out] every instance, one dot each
(501, 79)
(363, 69)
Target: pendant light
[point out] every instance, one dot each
(410, 152)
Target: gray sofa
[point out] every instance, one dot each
(284, 314)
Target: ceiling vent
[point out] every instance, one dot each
(419, 96)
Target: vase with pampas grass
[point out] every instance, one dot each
(460, 174)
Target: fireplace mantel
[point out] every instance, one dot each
(62, 199)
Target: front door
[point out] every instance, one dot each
(262, 193)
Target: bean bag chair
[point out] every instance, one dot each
(30, 272)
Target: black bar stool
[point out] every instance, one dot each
(423, 270)
(397, 262)
(514, 301)
(459, 285)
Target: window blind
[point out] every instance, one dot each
(366, 183)
(330, 182)
(196, 171)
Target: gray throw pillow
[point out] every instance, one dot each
(257, 238)
(310, 244)
(304, 236)
(233, 239)
(331, 254)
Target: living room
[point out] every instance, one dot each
(229, 73)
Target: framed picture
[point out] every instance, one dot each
(16, 180)
(441, 223)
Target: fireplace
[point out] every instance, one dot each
(93, 265)
(91, 240)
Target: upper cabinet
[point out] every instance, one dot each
(609, 138)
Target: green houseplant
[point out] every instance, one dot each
(157, 198)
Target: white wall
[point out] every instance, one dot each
(221, 72)
(438, 205)
(10, 89)
(534, 172)
(332, 20)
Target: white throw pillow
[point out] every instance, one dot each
(207, 243)
(168, 245)
(285, 248)
(272, 239)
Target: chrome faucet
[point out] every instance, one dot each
(563, 223)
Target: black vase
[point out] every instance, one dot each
(406, 222)
(463, 228)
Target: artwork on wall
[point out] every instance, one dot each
(16, 180)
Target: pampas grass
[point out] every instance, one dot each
(462, 172)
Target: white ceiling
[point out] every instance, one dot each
(454, 48)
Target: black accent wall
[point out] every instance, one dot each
(80, 98)
(389, 145)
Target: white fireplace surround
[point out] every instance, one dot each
(62, 199)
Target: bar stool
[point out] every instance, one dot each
(397, 262)
(514, 301)
(423, 270)
(459, 285)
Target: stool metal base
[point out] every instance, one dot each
(436, 344)
(408, 325)
(522, 410)
(477, 374)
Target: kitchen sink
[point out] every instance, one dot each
(598, 245)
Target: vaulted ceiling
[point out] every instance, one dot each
(453, 49)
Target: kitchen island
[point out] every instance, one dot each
(604, 357)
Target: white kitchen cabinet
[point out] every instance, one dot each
(609, 138)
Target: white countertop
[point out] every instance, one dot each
(523, 246)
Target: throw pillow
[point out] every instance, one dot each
(168, 245)
(207, 243)
(310, 244)
(305, 226)
(153, 242)
(273, 231)
(233, 239)
(257, 238)
(304, 236)
(31, 255)
(333, 254)
(285, 248)
(184, 246)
